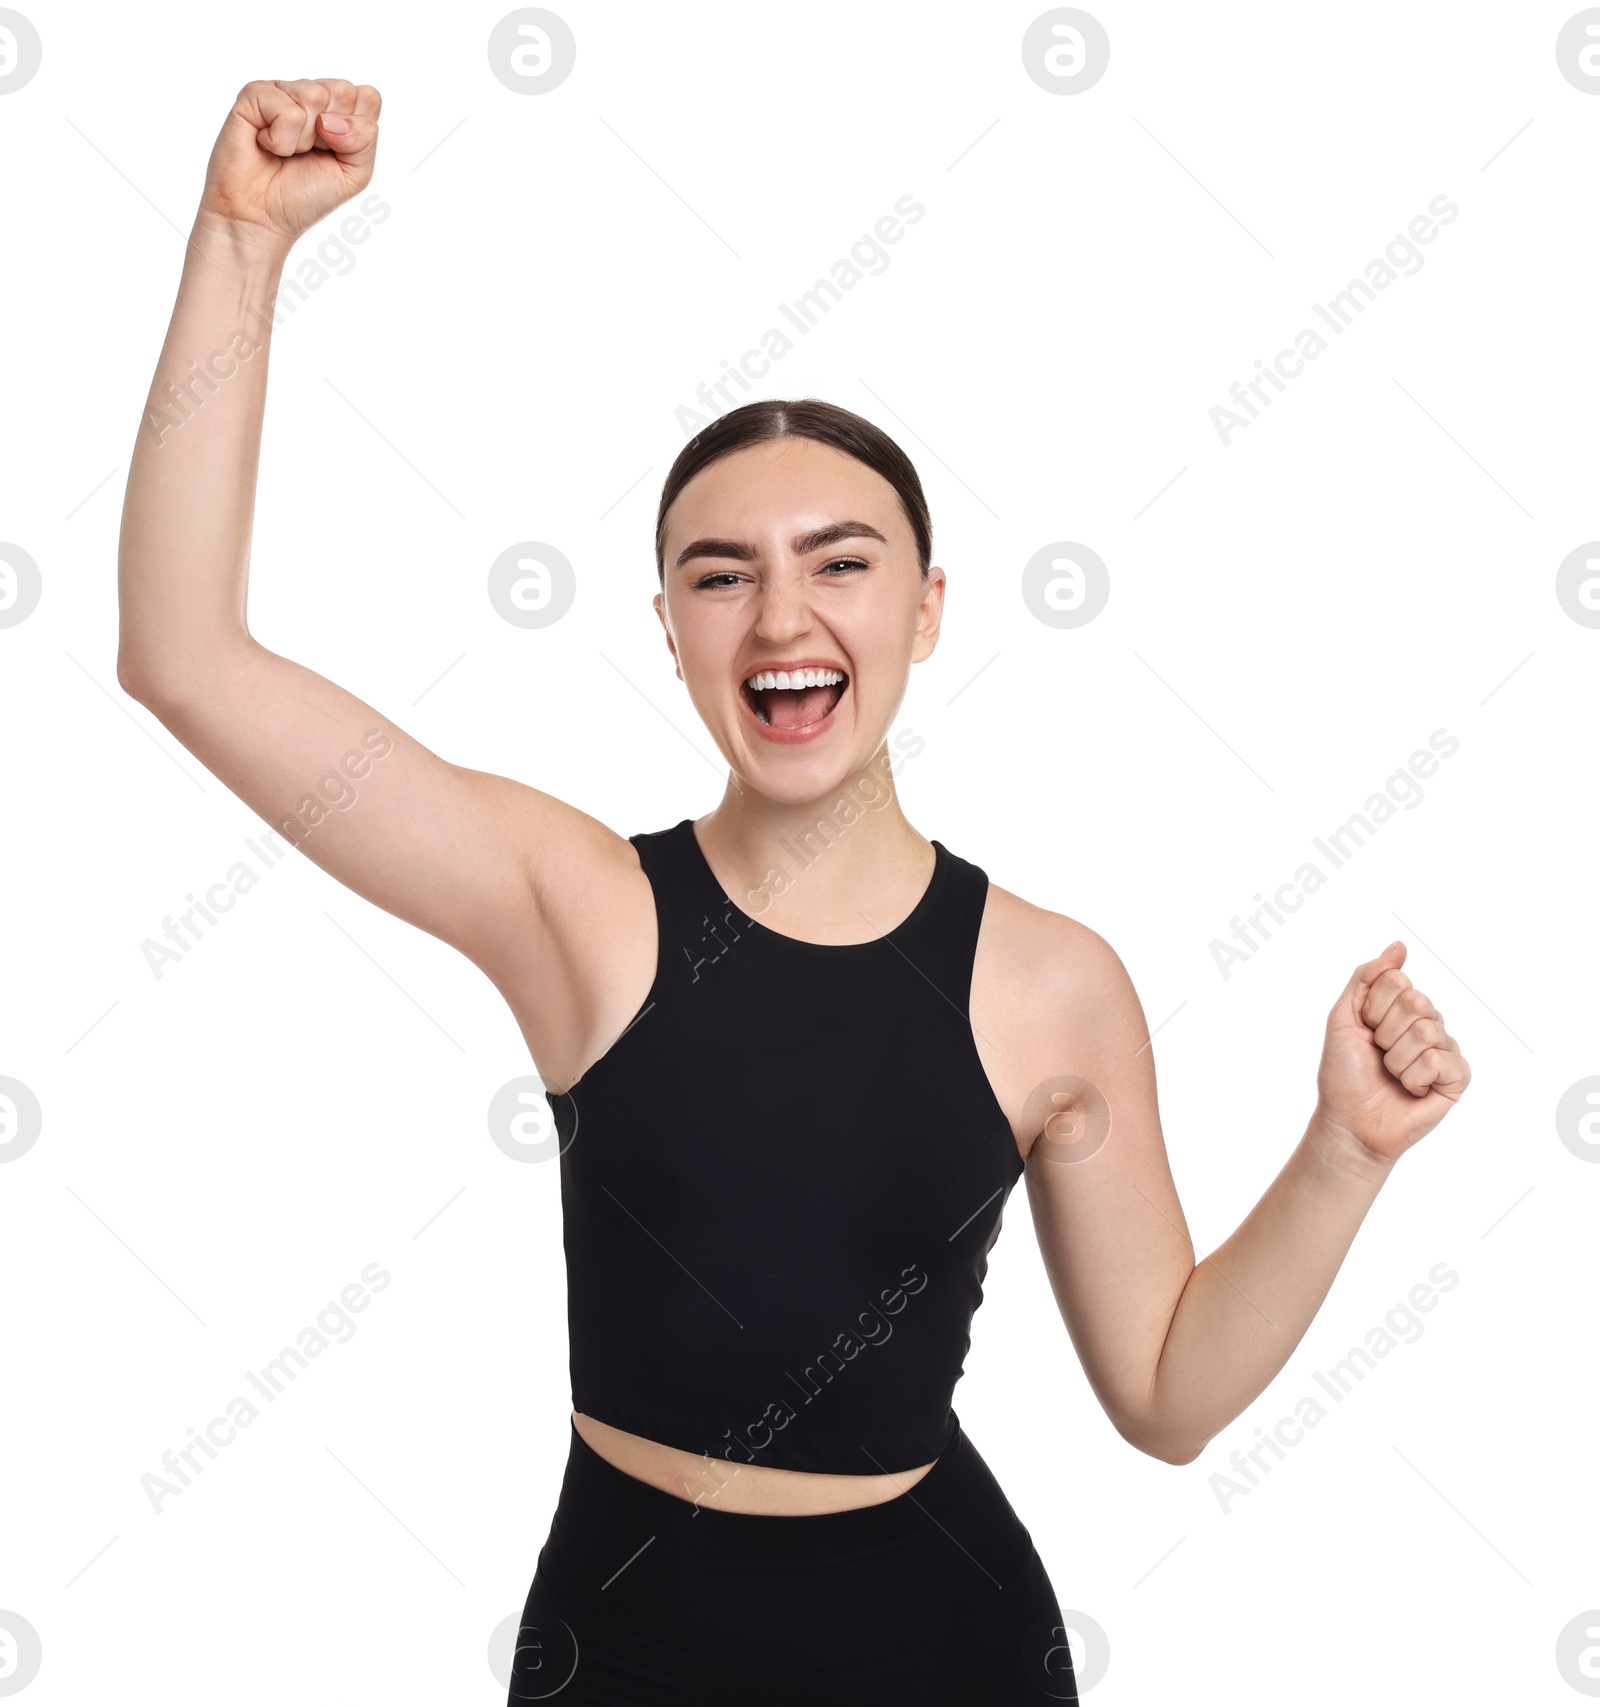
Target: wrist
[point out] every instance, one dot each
(241, 245)
(1337, 1147)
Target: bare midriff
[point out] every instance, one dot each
(758, 1489)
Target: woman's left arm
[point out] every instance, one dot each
(1175, 1349)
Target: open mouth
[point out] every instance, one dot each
(797, 707)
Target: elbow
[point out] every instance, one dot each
(129, 678)
(1155, 1441)
(1170, 1451)
(146, 689)
(1175, 1452)
(158, 687)
(164, 678)
(137, 672)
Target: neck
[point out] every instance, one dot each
(817, 865)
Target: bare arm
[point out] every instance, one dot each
(1175, 1350)
(461, 853)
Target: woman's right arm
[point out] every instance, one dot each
(476, 859)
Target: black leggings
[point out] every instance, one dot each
(934, 1596)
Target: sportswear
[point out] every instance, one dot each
(781, 1184)
(936, 1598)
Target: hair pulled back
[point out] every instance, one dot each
(803, 418)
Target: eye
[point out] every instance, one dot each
(726, 577)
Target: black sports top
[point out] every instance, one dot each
(781, 1184)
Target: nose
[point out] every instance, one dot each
(785, 607)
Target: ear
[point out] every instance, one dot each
(659, 604)
(930, 614)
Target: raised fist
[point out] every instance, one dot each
(1390, 1072)
(288, 154)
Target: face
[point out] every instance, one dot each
(793, 552)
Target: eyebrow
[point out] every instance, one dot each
(803, 544)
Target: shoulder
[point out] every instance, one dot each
(1052, 1001)
(1055, 955)
(1062, 970)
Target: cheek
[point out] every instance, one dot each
(704, 652)
(879, 658)
(707, 672)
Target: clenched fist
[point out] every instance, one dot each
(1390, 1072)
(287, 155)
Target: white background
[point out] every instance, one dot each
(224, 1148)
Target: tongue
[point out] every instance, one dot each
(790, 708)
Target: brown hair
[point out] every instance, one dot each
(805, 418)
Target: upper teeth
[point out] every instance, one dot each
(794, 678)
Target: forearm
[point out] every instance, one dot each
(186, 520)
(1247, 1306)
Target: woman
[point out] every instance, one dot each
(774, 1251)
